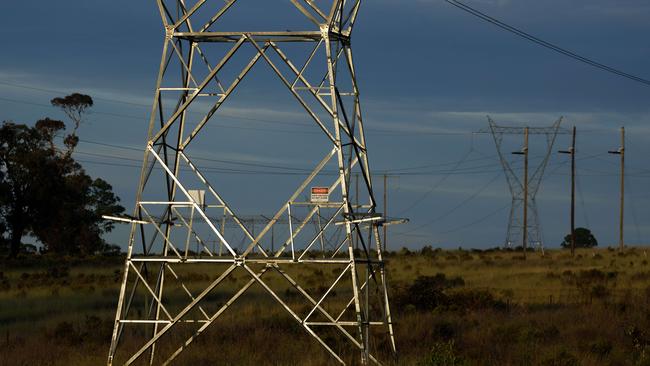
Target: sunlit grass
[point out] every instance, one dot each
(550, 313)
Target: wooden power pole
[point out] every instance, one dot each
(572, 151)
(621, 152)
(385, 211)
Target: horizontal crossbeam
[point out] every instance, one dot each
(287, 36)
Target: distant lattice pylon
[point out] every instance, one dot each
(515, 231)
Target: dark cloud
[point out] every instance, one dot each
(424, 66)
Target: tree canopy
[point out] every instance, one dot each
(584, 239)
(74, 106)
(45, 193)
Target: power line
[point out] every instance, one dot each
(393, 171)
(435, 186)
(472, 170)
(239, 162)
(478, 221)
(54, 91)
(546, 44)
(461, 204)
(373, 131)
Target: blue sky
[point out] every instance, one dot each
(429, 74)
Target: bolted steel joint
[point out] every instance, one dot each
(169, 31)
(325, 30)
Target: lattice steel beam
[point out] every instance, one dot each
(515, 184)
(202, 63)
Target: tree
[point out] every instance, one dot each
(48, 194)
(50, 129)
(584, 239)
(78, 207)
(26, 164)
(74, 106)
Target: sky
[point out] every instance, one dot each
(429, 74)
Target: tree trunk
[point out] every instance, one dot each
(17, 227)
(14, 243)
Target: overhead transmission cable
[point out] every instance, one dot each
(373, 131)
(478, 221)
(545, 44)
(453, 209)
(441, 180)
(472, 170)
(475, 194)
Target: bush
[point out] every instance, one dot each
(474, 300)
(600, 292)
(601, 348)
(562, 358)
(427, 251)
(427, 292)
(444, 330)
(66, 333)
(442, 354)
(60, 271)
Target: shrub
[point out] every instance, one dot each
(405, 252)
(533, 332)
(60, 271)
(428, 251)
(444, 330)
(640, 276)
(427, 292)
(600, 292)
(562, 358)
(97, 329)
(66, 333)
(424, 294)
(601, 348)
(442, 354)
(4, 284)
(464, 256)
(474, 300)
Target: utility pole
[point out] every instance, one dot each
(572, 151)
(524, 152)
(621, 152)
(385, 211)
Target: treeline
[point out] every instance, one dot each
(47, 195)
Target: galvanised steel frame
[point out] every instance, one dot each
(157, 254)
(515, 224)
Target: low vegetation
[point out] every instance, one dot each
(456, 307)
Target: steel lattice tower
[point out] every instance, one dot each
(178, 207)
(516, 185)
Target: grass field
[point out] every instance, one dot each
(450, 308)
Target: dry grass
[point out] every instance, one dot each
(551, 310)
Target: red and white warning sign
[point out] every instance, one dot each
(320, 194)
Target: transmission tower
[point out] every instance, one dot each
(517, 184)
(160, 313)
